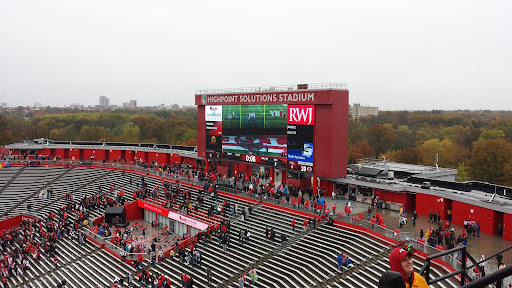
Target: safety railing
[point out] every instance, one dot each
(293, 87)
(116, 249)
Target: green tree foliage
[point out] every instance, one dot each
(492, 134)
(381, 137)
(169, 127)
(462, 173)
(490, 161)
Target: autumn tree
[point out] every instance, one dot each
(381, 137)
(404, 137)
(360, 150)
(490, 161)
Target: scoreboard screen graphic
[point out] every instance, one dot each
(261, 134)
(254, 119)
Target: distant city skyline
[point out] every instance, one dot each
(395, 55)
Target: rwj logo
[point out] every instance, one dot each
(301, 114)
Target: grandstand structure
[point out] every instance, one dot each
(305, 259)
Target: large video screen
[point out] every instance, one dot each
(254, 119)
(262, 134)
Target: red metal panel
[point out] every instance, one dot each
(488, 219)
(114, 155)
(175, 158)
(507, 227)
(190, 161)
(128, 154)
(74, 153)
(427, 203)
(201, 132)
(403, 198)
(159, 157)
(96, 154)
(45, 152)
(140, 155)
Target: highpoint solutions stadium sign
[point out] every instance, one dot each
(259, 98)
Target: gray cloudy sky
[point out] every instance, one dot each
(393, 54)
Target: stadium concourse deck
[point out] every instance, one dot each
(486, 245)
(305, 259)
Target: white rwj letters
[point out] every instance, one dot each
(301, 115)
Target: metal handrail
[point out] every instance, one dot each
(495, 277)
(117, 249)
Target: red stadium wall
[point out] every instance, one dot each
(74, 153)
(133, 211)
(97, 154)
(327, 185)
(129, 154)
(190, 161)
(141, 155)
(302, 184)
(45, 152)
(160, 158)
(175, 158)
(507, 226)
(12, 222)
(427, 203)
(404, 198)
(58, 152)
(488, 219)
(114, 155)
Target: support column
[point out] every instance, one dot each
(271, 174)
(283, 177)
(206, 165)
(237, 169)
(248, 170)
(315, 185)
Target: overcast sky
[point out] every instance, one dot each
(397, 55)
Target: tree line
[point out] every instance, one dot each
(150, 126)
(476, 143)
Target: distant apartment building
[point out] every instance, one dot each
(38, 105)
(357, 111)
(104, 102)
(76, 106)
(133, 104)
(175, 107)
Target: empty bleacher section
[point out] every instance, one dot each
(299, 259)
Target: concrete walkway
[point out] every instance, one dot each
(486, 245)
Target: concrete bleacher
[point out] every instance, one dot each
(306, 259)
(28, 183)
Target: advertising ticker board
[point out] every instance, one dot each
(276, 135)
